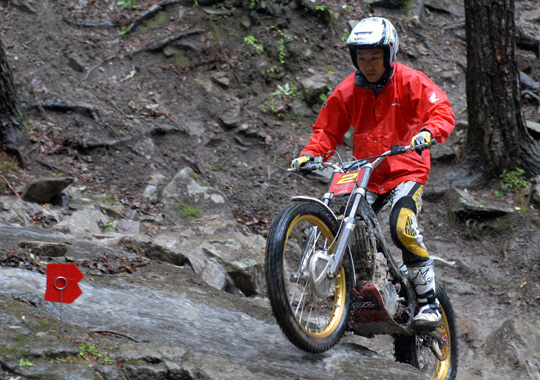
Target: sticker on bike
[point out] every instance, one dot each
(344, 183)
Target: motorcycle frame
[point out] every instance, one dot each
(360, 214)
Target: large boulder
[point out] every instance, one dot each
(186, 198)
(225, 255)
(479, 210)
(44, 189)
(515, 346)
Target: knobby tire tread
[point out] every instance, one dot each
(405, 346)
(275, 281)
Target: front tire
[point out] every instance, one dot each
(415, 349)
(312, 314)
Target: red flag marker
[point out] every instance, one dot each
(62, 282)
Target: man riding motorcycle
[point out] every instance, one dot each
(388, 104)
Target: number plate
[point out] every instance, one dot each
(344, 183)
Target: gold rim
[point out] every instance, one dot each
(318, 317)
(443, 366)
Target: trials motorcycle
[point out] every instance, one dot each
(329, 270)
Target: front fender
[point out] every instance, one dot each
(311, 199)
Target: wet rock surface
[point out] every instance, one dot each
(178, 149)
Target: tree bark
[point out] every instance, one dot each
(496, 132)
(11, 134)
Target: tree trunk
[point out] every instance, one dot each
(496, 131)
(11, 135)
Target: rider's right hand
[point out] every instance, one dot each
(298, 162)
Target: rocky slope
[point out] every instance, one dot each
(176, 134)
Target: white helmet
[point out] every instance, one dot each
(372, 33)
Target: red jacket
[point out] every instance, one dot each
(409, 103)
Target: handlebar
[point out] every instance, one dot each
(317, 163)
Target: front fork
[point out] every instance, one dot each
(334, 260)
(348, 224)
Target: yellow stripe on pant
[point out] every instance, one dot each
(406, 232)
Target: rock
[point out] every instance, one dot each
(313, 87)
(158, 361)
(534, 128)
(516, 345)
(536, 191)
(231, 114)
(222, 80)
(21, 212)
(528, 82)
(126, 226)
(42, 190)
(483, 212)
(454, 7)
(45, 248)
(164, 247)
(186, 198)
(83, 222)
(352, 23)
(532, 15)
(226, 257)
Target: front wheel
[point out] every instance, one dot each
(436, 359)
(311, 309)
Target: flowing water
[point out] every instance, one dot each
(161, 304)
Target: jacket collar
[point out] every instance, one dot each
(361, 81)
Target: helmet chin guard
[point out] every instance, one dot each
(374, 33)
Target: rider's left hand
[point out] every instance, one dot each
(421, 141)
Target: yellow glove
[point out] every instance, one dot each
(421, 141)
(298, 162)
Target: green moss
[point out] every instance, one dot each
(6, 166)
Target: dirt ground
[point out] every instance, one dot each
(113, 109)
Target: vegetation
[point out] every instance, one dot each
(513, 180)
(252, 41)
(6, 166)
(287, 90)
(127, 3)
(25, 363)
(188, 210)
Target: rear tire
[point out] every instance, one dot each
(412, 350)
(313, 317)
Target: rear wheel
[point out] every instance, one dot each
(310, 308)
(436, 359)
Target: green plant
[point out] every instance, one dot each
(287, 90)
(125, 30)
(6, 166)
(91, 353)
(24, 363)
(403, 4)
(513, 180)
(107, 198)
(272, 70)
(109, 226)
(127, 3)
(281, 51)
(321, 8)
(281, 42)
(188, 210)
(271, 103)
(252, 41)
